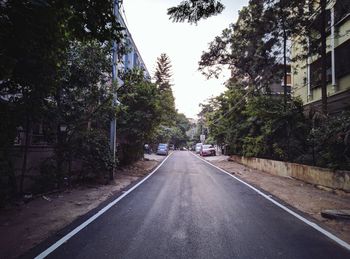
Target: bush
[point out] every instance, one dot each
(92, 148)
(329, 141)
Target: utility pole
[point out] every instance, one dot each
(113, 126)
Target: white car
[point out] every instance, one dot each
(198, 148)
(207, 150)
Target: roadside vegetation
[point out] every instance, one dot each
(55, 76)
(248, 119)
(260, 127)
(173, 125)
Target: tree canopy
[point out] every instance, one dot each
(162, 77)
(194, 10)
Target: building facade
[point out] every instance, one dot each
(132, 59)
(306, 72)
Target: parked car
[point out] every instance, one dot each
(162, 149)
(207, 150)
(198, 148)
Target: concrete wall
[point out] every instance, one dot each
(35, 156)
(310, 174)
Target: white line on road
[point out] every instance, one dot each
(306, 221)
(91, 219)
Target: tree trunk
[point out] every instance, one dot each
(323, 4)
(25, 155)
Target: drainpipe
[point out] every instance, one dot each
(334, 84)
(309, 93)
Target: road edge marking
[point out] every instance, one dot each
(306, 221)
(64, 239)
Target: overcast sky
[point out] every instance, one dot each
(154, 34)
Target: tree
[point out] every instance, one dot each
(285, 20)
(245, 49)
(139, 115)
(34, 41)
(194, 10)
(83, 105)
(162, 78)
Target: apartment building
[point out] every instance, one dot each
(306, 73)
(132, 59)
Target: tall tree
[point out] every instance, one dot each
(194, 10)
(163, 75)
(35, 37)
(284, 19)
(139, 114)
(245, 49)
(162, 78)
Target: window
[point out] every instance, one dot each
(316, 70)
(342, 60)
(342, 9)
(342, 65)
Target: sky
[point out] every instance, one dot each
(154, 33)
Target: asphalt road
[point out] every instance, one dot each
(189, 209)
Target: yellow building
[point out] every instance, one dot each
(306, 73)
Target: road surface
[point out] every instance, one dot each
(189, 209)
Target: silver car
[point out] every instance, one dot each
(162, 149)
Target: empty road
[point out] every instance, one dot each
(189, 209)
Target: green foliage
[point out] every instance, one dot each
(163, 134)
(174, 135)
(330, 141)
(162, 78)
(138, 115)
(261, 127)
(92, 148)
(83, 104)
(194, 10)
(35, 42)
(173, 125)
(36, 37)
(278, 134)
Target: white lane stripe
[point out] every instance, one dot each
(308, 222)
(91, 219)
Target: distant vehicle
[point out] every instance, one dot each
(207, 150)
(183, 148)
(162, 149)
(171, 147)
(147, 149)
(198, 147)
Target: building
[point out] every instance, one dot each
(133, 58)
(306, 73)
(276, 88)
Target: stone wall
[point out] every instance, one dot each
(314, 175)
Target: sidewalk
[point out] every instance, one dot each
(26, 225)
(300, 195)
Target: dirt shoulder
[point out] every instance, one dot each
(23, 227)
(305, 197)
